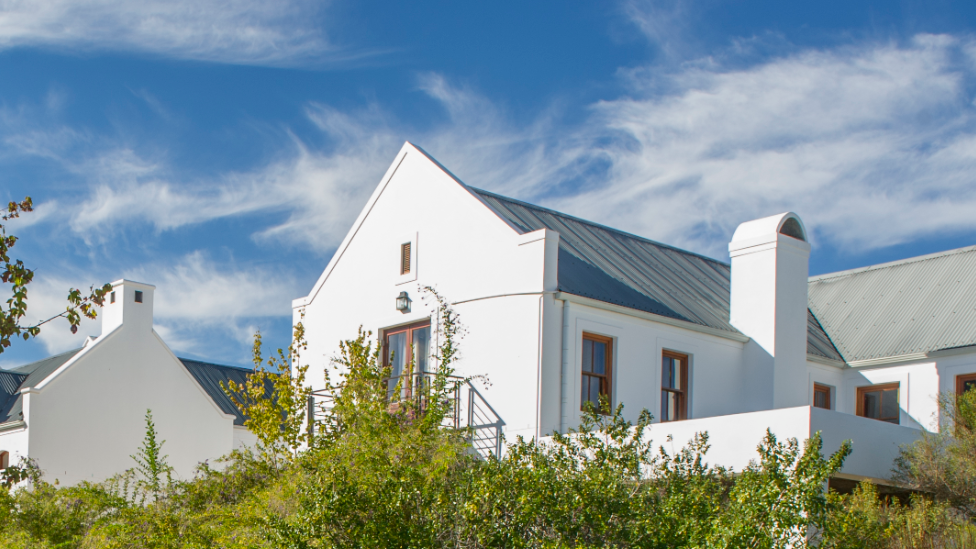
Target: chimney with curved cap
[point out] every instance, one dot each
(770, 266)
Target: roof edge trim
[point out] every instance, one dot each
(724, 334)
(12, 425)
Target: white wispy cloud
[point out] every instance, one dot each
(851, 138)
(231, 31)
(194, 297)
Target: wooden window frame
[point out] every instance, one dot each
(821, 388)
(608, 377)
(685, 364)
(859, 405)
(4, 460)
(961, 382)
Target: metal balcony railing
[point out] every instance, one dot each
(467, 408)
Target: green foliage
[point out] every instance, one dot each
(275, 398)
(15, 273)
(943, 464)
(388, 469)
(150, 461)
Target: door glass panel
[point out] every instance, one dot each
(396, 345)
(421, 349)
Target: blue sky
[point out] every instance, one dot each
(221, 149)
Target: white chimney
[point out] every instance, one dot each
(770, 266)
(129, 303)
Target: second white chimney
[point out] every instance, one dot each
(770, 266)
(130, 304)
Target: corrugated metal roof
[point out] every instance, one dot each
(916, 305)
(620, 268)
(30, 375)
(212, 376)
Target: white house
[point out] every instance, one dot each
(80, 414)
(561, 310)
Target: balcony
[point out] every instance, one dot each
(734, 438)
(467, 409)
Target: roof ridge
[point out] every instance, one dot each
(598, 225)
(905, 261)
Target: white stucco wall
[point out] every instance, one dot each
(495, 275)
(15, 442)
(87, 419)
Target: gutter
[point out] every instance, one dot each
(596, 304)
(13, 425)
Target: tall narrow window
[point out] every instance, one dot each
(879, 402)
(4, 460)
(407, 353)
(965, 383)
(597, 361)
(821, 396)
(674, 386)
(405, 258)
(113, 297)
(138, 296)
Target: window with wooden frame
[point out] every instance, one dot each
(597, 370)
(674, 386)
(821, 396)
(879, 402)
(406, 351)
(4, 460)
(965, 383)
(405, 250)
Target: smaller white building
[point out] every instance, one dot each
(81, 414)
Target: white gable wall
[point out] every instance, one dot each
(87, 419)
(495, 275)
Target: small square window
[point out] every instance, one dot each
(112, 297)
(138, 296)
(879, 402)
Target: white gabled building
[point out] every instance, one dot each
(561, 310)
(80, 414)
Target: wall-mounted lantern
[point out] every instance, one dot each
(403, 303)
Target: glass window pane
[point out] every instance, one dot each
(889, 403)
(587, 355)
(585, 391)
(820, 399)
(872, 408)
(667, 372)
(968, 384)
(676, 373)
(670, 406)
(595, 392)
(421, 348)
(599, 358)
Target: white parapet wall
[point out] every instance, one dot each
(734, 439)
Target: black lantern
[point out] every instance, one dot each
(403, 303)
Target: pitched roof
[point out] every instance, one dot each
(908, 307)
(209, 376)
(26, 376)
(212, 377)
(620, 268)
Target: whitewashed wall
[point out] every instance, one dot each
(15, 442)
(495, 275)
(87, 419)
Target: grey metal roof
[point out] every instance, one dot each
(913, 306)
(620, 268)
(209, 376)
(212, 377)
(29, 375)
